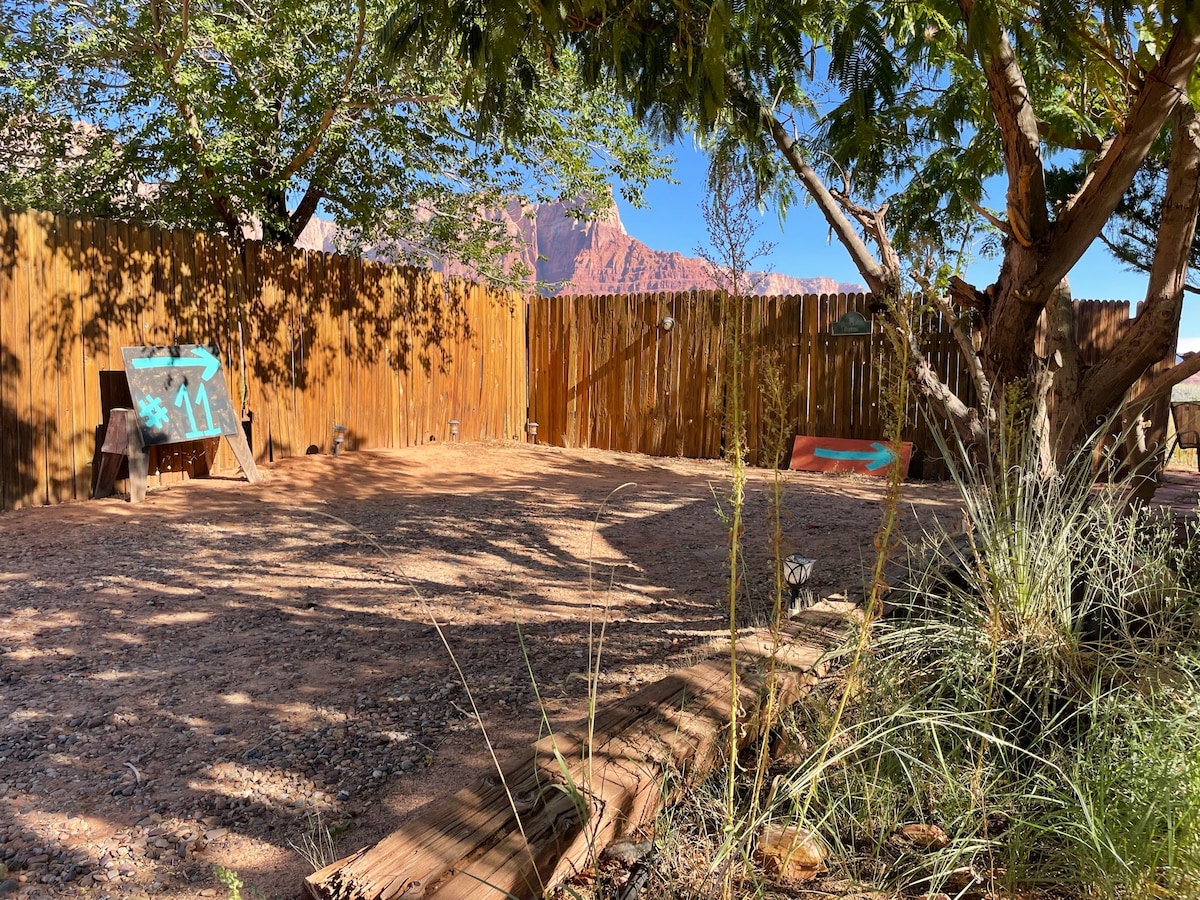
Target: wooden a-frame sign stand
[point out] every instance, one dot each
(179, 395)
(123, 440)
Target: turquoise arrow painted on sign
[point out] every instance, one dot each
(876, 458)
(204, 357)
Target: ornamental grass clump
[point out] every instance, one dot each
(1032, 695)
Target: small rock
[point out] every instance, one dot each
(222, 729)
(924, 837)
(9, 887)
(627, 852)
(790, 852)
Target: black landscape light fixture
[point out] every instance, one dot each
(454, 429)
(797, 570)
(666, 323)
(531, 427)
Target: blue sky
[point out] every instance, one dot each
(672, 220)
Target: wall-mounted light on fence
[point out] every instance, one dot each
(666, 323)
(454, 429)
(531, 427)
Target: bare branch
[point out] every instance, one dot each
(879, 280)
(322, 127)
(1164, 382)
(992, 217)
(1075, 140)
(963, 418)
(185, 29)
(967, 295)
(962, 336)
(1152, 334)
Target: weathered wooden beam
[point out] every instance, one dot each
(569, 796)
(123, 439)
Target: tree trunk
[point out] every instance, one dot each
(276, 224)
(1059, 423)
(1154, 333)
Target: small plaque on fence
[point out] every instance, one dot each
(852, 323)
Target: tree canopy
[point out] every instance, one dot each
(213, 114)
(890, 116)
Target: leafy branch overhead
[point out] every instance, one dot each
(215, 114)
(896, 119)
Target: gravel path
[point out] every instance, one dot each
(191, 682)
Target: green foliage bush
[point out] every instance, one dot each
(1035, 693)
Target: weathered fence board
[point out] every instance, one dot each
(604, 374)
(597, 376)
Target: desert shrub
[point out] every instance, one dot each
(1035, 694)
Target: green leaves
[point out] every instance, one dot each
(212, 114)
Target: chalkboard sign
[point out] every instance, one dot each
(179, 393)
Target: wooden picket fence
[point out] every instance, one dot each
(308, 339)
(603, 373)
(311, 340)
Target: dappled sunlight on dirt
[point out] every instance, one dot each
(188, 682)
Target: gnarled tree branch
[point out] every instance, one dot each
(1028, 212)
(1086, 213)
(1153, 333)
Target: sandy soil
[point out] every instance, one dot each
(188, 682)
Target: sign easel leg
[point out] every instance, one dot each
(244, 456)
(139, 458)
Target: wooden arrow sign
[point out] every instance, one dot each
(817, 454)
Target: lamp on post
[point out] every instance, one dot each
(532, 427)
(454, 429)
(339, 438)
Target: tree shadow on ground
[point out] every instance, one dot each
(240, 657)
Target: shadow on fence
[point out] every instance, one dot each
(309, 340)
(393, 354)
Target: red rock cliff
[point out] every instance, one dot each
(597, 256)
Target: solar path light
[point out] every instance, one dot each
(797, 570)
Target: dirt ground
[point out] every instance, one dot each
(187, 683)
